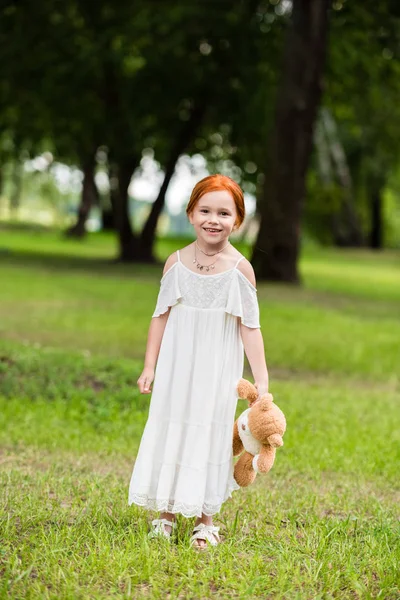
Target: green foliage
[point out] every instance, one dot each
(322, 205)
(392, 211)
(362, 90)
(104, 68)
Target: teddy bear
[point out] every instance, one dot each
(258, 431)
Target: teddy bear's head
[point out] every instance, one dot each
(267, 422)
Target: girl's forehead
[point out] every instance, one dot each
(217, 199)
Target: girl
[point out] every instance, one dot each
(206, 314)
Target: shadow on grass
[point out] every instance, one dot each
(34, 245)
(26, 227)
(69, 262)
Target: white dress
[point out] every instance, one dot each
(185, 460)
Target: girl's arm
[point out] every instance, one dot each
(154, 338)
(254, 348)
(253, 341)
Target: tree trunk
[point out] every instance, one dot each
(276, 250)
(108, 204)
(89, 197)
(128, 242)
(107, 218)
(15, 197)
(346, 226)
(120, 138)
(188, 132)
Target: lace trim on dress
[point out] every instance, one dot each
(186, 510)
(204, 291)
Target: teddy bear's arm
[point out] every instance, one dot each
(266, 459)
(237, 442)
(247, 391)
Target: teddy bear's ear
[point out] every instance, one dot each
(266, 402)
(247, 390)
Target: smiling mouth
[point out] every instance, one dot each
(212, 230)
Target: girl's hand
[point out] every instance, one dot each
(262, 388)
(145, 380)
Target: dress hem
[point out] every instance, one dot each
(163, 505)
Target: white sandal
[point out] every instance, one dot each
(208, 533)
(159, 529)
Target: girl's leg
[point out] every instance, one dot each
(204, 519)
(170, 517)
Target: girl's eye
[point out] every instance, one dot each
(224, 213)
(204, 210)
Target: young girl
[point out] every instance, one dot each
(206, 313)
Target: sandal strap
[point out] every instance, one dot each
(159, 529)
(156, 522)
(207, 533)
(203, 527)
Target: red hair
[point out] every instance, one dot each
(218, 183)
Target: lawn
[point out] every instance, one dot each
(324, 523)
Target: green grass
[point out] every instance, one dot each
(324, 523)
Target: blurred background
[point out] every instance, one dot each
(110, 112)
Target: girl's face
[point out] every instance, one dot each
(214, 217)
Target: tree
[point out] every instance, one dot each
(220, 53)
(277, 246)
(362, 92)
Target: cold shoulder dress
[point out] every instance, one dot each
(185, 460)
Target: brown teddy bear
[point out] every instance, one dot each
(258, 431)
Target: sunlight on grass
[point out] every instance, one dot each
(362, 277)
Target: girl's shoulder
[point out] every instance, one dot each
(185, 252)
(174, 257)
(171, 260)
(246, 268)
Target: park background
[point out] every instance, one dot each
(110, 112)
